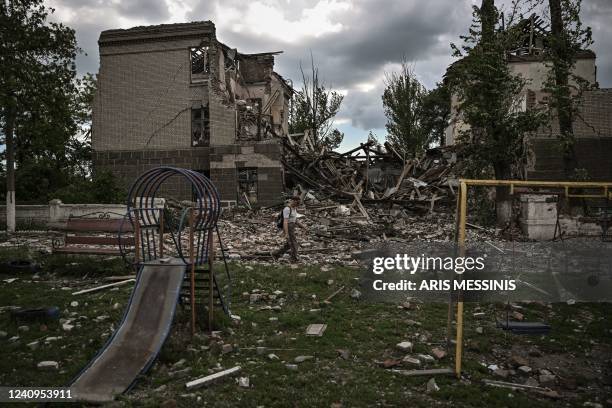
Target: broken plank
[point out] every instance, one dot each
(110, 285)
(514, 386)
(433, 371)
(330, 297)
(361, 208)
(211, 378)
(118, 278)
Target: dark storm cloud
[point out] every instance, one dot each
(89, 18)
(146, 9)
(371, 37)
(598, 15)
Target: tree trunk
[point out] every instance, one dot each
(561, 65)
(503, 199)
(10, 169)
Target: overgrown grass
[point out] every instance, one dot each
(368, 331)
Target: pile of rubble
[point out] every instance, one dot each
(372, 173)
(333, 231)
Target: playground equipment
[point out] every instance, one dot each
(161, 281)
(570, 190)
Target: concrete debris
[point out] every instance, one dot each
(525, 369)
(48, 365)
(316, 329)
(547, 379)
(301, 359)
(425, 358)
(411, 361)
(432, 386)
(355, 294)
(179, 363)
(404, 346)
(244, 382)
(438, 353)
(178, 374)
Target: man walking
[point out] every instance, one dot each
(290, 221)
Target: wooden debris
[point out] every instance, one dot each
(370, 174)
(330, 297)
(200, 382)
(416, 373)
(514, 386)
(97, 288)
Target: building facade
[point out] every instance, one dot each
(592, 126)
(174, 95)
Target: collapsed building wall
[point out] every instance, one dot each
(174, 95)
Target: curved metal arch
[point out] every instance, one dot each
(141, 205)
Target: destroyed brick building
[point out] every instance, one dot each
(174, 95)
(592, 125)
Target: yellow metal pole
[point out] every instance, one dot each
(528, 183)
(192, 262)
(461, 243)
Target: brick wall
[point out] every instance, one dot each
(224, 160)
(593, 133)
(142, 110)
(594, 155)
(128, 165)
(144, 100)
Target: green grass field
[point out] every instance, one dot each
(347, 365)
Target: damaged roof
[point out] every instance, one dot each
(159, 32)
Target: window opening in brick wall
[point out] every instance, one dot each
(247, 184)
(200, 127)
(200, 63)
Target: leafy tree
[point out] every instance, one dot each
(313, 109)
(36, 78)
(435, 113)
(567, 37)
(489, 97)
(403, 105)
(45, 112)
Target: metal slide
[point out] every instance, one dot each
(135, 344)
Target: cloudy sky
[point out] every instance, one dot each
(354, 42)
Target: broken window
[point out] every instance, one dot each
(199, 60)
(200, 127)
(247, 185)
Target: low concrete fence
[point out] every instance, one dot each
(55, 214)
